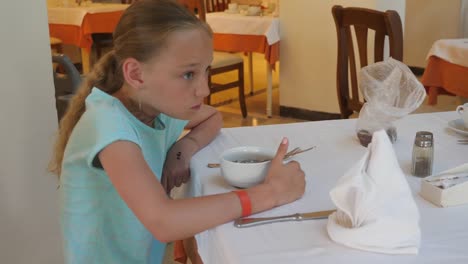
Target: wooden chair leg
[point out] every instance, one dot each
(191, 248)
(433, 93)
(59, 48)
(241, 91)
(208, 98)
(251, 74)
(98, 51)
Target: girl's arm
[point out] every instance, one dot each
(203, 129)
(167, 219)
(204, 126)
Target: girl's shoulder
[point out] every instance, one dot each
(102, 108)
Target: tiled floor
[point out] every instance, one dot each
(228, 104)
(256, 104)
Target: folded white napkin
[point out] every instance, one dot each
(375, 208)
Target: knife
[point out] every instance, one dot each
(253, 221)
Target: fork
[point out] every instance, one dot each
(288, 155)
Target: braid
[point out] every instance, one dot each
(104, 76)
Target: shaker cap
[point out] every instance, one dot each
(423, 143)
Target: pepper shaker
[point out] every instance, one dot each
(423, 154)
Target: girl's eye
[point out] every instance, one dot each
(188, 76)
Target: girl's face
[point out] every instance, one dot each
(175, 82)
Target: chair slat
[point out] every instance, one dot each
(352, 68)
(379, 45)
(361, 37)
(385, 24)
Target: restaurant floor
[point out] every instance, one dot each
(226, 102)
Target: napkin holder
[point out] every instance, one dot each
(455, 191)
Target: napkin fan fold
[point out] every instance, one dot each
(375, 208)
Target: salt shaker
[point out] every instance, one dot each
(423, 154)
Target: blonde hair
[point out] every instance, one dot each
(141, 34)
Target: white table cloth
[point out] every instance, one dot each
(225, 23)
(444, 230)
(74, 15)
(451, 50)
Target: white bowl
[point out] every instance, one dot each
(245, 166)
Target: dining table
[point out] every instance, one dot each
(237, 32)
(75, 24)
(446, 71)
(240, 32)
(444, 232)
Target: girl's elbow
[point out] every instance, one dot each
(162, 232)
(219, 119)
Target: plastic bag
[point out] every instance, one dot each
(391, 92)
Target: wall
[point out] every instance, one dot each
(464, 19)
(29, 231)
(428, 21)
(308, 51)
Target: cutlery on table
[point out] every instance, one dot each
(288, 155)
(253, 221)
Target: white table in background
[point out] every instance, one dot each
(75, 24)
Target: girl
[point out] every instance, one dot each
(119, 136)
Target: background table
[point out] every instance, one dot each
(240, 33)
(74, 25)
(447, 69)
(444, 231)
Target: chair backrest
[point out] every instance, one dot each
(198, 7)
(128, 1)
(216, 5)
(384, 24)
(65, 84)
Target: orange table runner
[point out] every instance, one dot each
(92, 23)
(442, 77)
(246, 43)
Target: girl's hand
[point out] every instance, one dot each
(286, 180)
(176, 170)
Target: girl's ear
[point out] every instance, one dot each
(132, 72)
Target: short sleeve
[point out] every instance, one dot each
(102, 125)
(174, 126)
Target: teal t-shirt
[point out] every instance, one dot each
(97, 225)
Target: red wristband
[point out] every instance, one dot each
(245, 202)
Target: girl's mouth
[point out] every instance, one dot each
(196, 107)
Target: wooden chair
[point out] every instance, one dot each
(56, 45)
(102, 41)
(217, 5)
(384, 24)
(222, 61)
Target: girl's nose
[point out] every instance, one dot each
(203, 89)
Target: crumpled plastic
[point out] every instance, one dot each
(391, 92)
